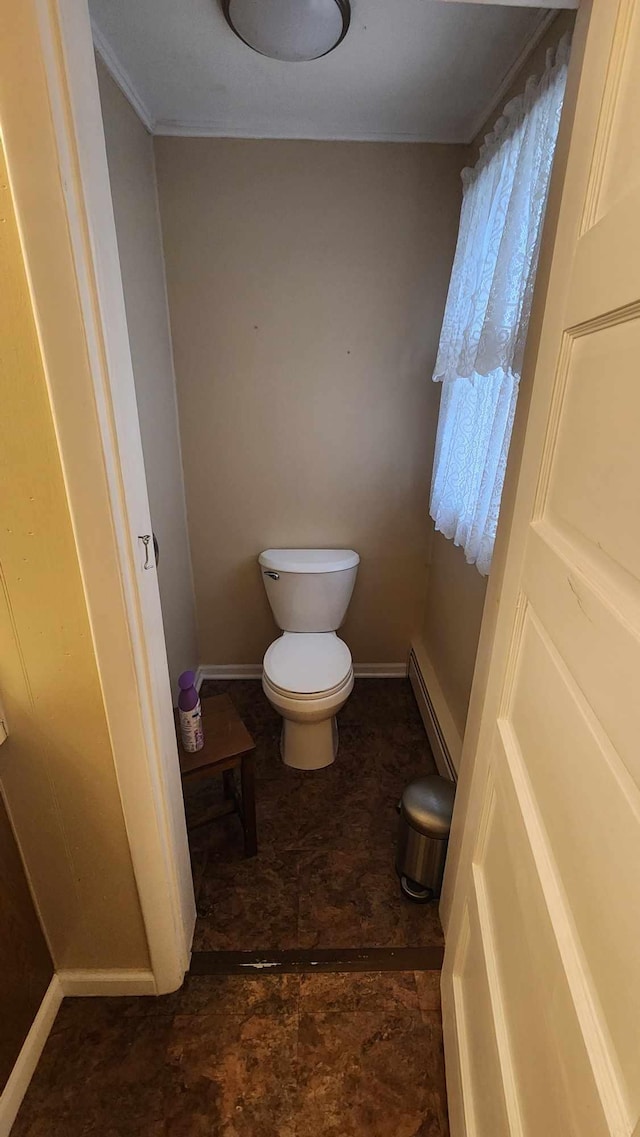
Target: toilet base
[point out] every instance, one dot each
(309, 745)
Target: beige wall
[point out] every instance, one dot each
(306, 283)
(135, 203)
(56, 767)
(451, 624)
(455, 592)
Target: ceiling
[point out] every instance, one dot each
(414, 70)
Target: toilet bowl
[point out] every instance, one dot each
(307, 672)
(308, 678)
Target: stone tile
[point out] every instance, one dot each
(381, 702)
(223, 840)
(352, 898)
(240, 995)
(339, 812)
(83, 1015)
(248, 904)
(347, 809)
(276, 1055)
(357, 991)
(269, 764)
(235, 1076)
(281, 781)
(278, 815)
(198, 867)
(420, 923)
(107, 1075)
(345, 900)
(428, 988)
(377, 1073)
(398, 763)
(333, 1055)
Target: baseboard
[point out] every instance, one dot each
(380, 670)
(443, 735)
(254, 671)
(116, 981)
(227, 671)
(27, 1060)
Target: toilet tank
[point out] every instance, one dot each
(309, 589)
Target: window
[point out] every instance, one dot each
(487, 314)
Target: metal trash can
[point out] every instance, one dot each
(425, 811)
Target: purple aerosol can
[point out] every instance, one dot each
(190, 712)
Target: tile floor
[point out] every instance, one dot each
(320, 1055)
(324, 876)
(279, 1056)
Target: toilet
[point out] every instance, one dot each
(307, 673)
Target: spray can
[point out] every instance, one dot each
(190, 712)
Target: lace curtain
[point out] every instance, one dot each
(487, 314)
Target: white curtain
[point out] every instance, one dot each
(487, 314)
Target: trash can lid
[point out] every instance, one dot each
(427, 805)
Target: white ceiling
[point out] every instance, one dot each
(415, 70)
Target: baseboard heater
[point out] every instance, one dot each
(432, 726)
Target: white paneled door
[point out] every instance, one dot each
(541, 983)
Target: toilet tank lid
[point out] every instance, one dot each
(308, 560)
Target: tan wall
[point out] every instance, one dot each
(451, 625)
(56, 767)
(455, 593)
(135, 204)
(307, 282)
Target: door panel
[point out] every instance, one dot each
(551, 854)
(594, 486)
(589, 806)
(621, 161)
(544, 1038)
(485, 1107)
(570, 596)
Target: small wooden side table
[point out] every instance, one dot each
(227, 746)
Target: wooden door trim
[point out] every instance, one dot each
(52, 127)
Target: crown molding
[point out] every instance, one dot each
(543, 24)
(176, 128)
(121, 78)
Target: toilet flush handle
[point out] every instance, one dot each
(273, 575)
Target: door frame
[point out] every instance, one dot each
(53, 135)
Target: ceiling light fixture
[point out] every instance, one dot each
(291, 30)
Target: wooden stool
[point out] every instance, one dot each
(227, 745)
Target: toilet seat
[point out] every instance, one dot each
(317, 697)
(307, 664)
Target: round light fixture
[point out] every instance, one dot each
(291, 30)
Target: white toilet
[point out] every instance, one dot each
(307, 673)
